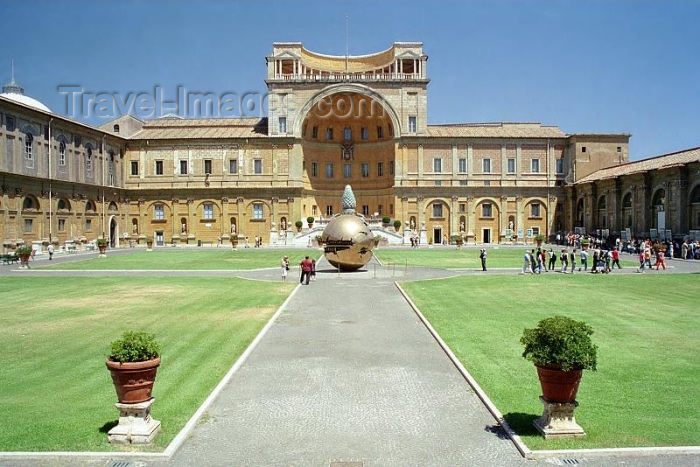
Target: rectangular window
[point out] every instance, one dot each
(28, 225)
(560, 166)
(535, 231)
(347, 134)
(183, 167)
(329, 170)
(329, 134)
(88, 224)
(347, 170)
(314, 210)
(62, 154)
(329, 210)
(380, 169)
(391, 209)
(619, 149)
(486, 210)
(412, 124)
(233, 166)
(437, 165)
(486, 167)
(365, 133)
(207, 166)
(159, 167)
(134, 167)
(535, 166)
(583, 148)
(365, 210)
(462, 207)
(257, 166)
(380, 132)
(208, 213)
(314, 132)
(462, 183)
(511, 166)
(391, 167)
(535, 210)
(61, 225)
(380, 209)
(437, 210)
(159, 212)
(283, 124)
(258, 211)
(10, 123)
(365, 170)
(462, 166)
(314, 169)
(88, 162)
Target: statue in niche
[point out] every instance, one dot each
(510, 225)
(461, 226)
(233, 228)
(412, 224)
(283, 224)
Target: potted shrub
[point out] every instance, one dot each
(539, 239)
(233, 238)
(133, 362)
(298, 225)
(102, 245)
(319, 240)
(561, 349)
(310, 221)
(149, 243)
(386, 221)
(397, 225)
(457, 240)
(24, 252)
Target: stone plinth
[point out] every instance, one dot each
(135, 424)
(557, 420)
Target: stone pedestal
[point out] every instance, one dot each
(135, 424)
(38, 247)
(557, 420)
(274, 238)
(407, 234)
(423, 236)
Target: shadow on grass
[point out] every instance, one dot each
(108, 426)
(521, 423)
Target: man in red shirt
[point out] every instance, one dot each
(306, 267)
(616, 258)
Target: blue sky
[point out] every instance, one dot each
(586, 67)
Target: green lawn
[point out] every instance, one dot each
(647, 387)
(468, 257)
(55, 391)
(209, 259)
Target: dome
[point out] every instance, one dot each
(14, 92)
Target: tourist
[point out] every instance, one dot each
(313, 269)
(607, 257)
(616, 258)
(660, 260)
(533, 261)
(572, 257)
(305, 270)
(527, 267)
(285, 268)
(584, 261)
(538, 261)
(50, 249)
(543, 259)
(552, 260)
(642, 262)
(564, 258)
(482, 257)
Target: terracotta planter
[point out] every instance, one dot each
(102, 248)
(24, 260)
(134, 380)
(558, 385)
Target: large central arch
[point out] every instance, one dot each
(346, 88)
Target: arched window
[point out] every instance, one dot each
(602, 202)
(90, 206)
(695, 195)
(28, 203)
(116, 128)
(659, 198)
(61, 153)
(88, 157)
(627, 201)
(63, 205)
(113, 206)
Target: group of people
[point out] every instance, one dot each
(307, 267)
(415, 241)
(540, 260)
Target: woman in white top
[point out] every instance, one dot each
(285, 268)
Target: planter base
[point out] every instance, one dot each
(557, 420)
(135, 424)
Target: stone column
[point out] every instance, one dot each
(454, 216)
(470, 160)
(471, 216)
(241, 227)
(503, 210)
(519, 222)
(191, 220)
(551, 216)
(420, 162)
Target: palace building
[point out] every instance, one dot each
(332, 121)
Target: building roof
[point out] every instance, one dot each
(203, 128)
(495, 130)
(666, 161)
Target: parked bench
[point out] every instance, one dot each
(9, 259)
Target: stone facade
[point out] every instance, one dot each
(332, 121)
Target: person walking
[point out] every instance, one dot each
(482, 257)
(552, 260)
(313, 269)
(564, 258)
(285, 268)
(50, 249)
(527, 267)
(616, 258)
(305, 270)
(660, 260)
(584, 261)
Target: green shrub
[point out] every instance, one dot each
(540, 238)
(560, 341)
(23, 250)
(310, 219)
(135, 347)
(397, 224)
(386, 220)
(298, 224)
(102, 241)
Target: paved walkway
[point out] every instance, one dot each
(348, 376)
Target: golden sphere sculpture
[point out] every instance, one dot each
(347, 238)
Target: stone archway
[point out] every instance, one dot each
(113, 232)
